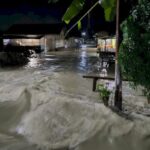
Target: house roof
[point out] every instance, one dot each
(35, 29)
(21, 36)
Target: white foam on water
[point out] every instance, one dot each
(53, 110)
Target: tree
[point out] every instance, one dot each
(111, 7)
(77, 5)
(134, 55)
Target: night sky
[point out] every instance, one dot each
(42, 12)
(29, 11)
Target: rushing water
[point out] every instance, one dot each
(48, 105)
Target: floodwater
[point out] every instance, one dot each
(48, 105)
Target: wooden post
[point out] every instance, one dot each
(118, 79)
(94, 83)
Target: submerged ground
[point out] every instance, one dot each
(47, 104)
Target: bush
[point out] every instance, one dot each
(134, 55)
(104, 93)
(14, 56)
(12, 59)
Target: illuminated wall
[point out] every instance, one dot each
(107, 44)
(53, 42)
(47, 42)
(22, 42)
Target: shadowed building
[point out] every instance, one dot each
(42, 36)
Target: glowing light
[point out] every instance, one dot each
(83, 33)
(83, 46)
(6, 41)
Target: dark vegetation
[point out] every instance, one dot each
(14, 55)
(134, 56)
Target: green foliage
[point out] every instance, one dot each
(134, 55)
(109, 9)
(104, 92)
(79, 25)
(73, 10)
(147, 93)
(77, 5)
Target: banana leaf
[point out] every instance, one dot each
(77, 5)
(73, 10)
(79, 25)
(109, 9)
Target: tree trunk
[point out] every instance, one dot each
(118, 78)
(118, 88)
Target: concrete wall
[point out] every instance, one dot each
(107, 44)
(54, 42)
(72, 42)
(43, 44)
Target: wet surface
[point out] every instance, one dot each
(47, 105)
(77, 61)
(16, 83)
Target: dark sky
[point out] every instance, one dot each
(30, 11)
(42, 12)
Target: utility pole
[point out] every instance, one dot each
(118, 78)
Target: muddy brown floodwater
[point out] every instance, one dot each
(48, 105)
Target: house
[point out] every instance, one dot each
(46, 37)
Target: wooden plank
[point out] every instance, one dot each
(102, 77)
(95, 78)
(94, 83)
(98, 77)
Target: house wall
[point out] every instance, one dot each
(54, 42)
(107, 44)
(24, 42)
(43, 44)
(72, 42)
(48, 42)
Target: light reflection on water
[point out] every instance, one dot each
(83, 60)
(79, 61)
